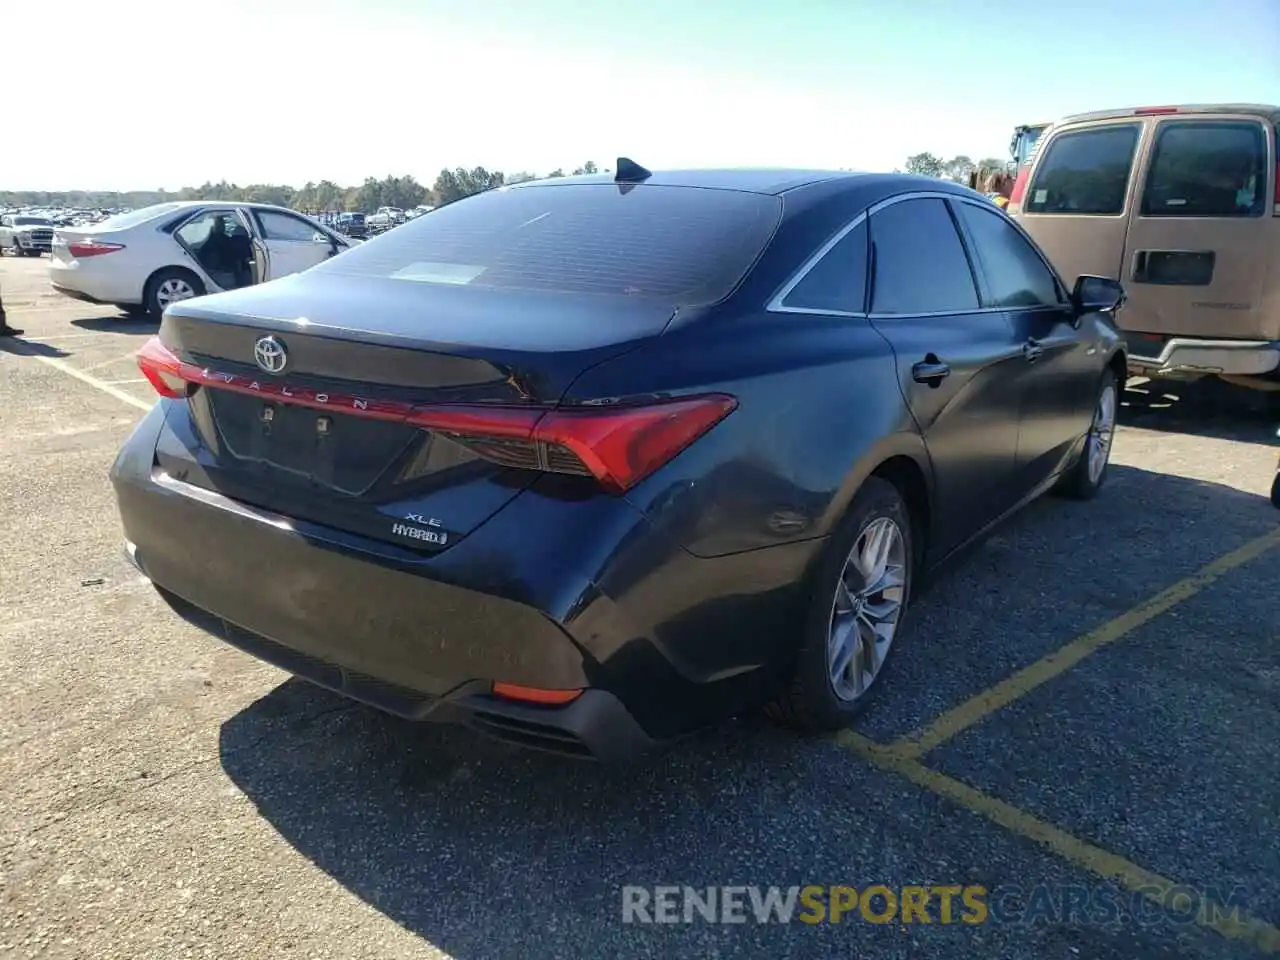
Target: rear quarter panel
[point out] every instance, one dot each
(819, 408)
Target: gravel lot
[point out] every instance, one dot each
(162, 795)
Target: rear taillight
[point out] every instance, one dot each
(1154, 111)
(619, 445)
(92, 248)
(162, 369)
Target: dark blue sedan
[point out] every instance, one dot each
(589, 463)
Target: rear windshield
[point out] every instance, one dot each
(122, 221)
(32, 222)
(683, 245)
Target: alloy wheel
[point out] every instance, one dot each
(1101, 432)
(867, 608)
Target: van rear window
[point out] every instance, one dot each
(1207, 168)
(1085, 172)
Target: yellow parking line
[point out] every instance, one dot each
(917, 743)
(1234, 925)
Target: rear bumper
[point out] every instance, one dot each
(1190, 355)
(92, 282)
(557, 595)
(595, 726)
(76, 294)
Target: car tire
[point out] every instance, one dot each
(1085, 477)
(820, 696)
(14, 250)
(153, 296)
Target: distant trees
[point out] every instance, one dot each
(404, 192)
(959, 169)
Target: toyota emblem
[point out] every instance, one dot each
(270, 354)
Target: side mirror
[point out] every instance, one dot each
(1097, 295)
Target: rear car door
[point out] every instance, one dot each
(958, 362)
(293, 244)
(1059, 374)
(1077, 206)
(192, 236)
(1196, 257)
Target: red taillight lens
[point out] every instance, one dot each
(1154, 111)
(546, 698)
(164, 370)
(619, 446)
(92, 248)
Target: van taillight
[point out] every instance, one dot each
(1154, 111)
(1020, 186)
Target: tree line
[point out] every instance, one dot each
(325, 195)
(960, 169)
(391, 191)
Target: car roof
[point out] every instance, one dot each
(767, 180)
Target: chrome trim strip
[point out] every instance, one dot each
(775, 303)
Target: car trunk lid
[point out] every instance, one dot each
(294, 409)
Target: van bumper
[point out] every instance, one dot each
(1192, 356)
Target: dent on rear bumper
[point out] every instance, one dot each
(591, 596)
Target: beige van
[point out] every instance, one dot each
(1180, 205)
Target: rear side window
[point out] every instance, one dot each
(837, 282)
(918, 263)
(1207, 168)
(1016, 276)
(123, 221)
(1085, 172)
(681, 245)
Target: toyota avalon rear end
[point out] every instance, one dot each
(408, 474)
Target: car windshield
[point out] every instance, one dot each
(32, 222)
(122, 221)
(684, 245)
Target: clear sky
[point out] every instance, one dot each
(140, 94)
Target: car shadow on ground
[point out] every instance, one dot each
(485, 850)
(1205, 408)
(118, 323)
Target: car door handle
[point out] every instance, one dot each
(931, 371)
(1032, 350)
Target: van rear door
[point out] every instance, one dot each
(1077, 205)
(1199, 239)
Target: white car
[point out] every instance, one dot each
(143, 260)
